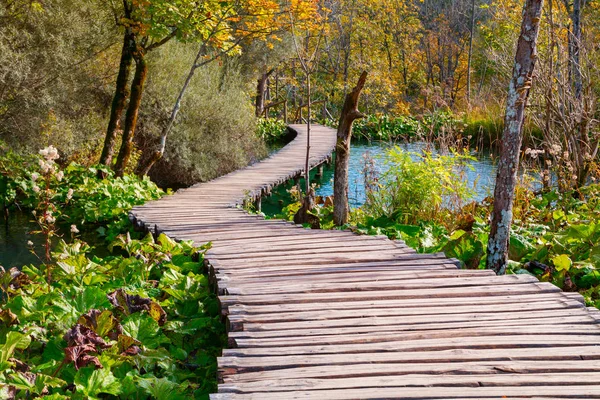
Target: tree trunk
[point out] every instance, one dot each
(260, 95)
(342, 152)
(518, 93)
(309, 111)
(261, 92)
(470, 53)
(119, 100)
(137, 88)
(576, 49)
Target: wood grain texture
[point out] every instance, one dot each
(333, 315)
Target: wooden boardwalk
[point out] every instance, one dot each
(333, 315)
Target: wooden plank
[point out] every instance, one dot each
(477, 291)
(432, 312)
(400, 369)
(414, 380)
(391, 283)
(407, 321)
(399, 327)
(271, 362)
(491, 342)
(586, 391)
(397, 335)
(509, 301)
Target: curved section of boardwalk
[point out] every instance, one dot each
(332, 315)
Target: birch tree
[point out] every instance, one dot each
(512, 137)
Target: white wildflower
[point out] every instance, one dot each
(50, 153)
(29, 243)
(47, 166)
(36, 188)
(74, 229)
(70, 194)
(35, 176)
(554, 149)
(60, 175)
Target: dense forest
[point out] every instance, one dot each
(108, 104)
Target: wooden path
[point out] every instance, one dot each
(333, 315)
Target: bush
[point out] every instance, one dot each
(416, 186)
(215, 132)
(386, 128)
(272, 130)
(56, 74)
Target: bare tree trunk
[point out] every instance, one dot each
(470, 53)
(309, 111)
(119, 100)
(518, 93)
(260, 95)
(137, 88)
(576, 48)
(261, 92)
(342, 152)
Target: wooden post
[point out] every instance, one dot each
(319, 173)
(258, 204)
(518, 93)
(342, 152)
(285, 111)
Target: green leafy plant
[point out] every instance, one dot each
(417, 186)
(142, 325)
(271, 130)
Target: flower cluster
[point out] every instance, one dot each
(47, 163)
(533, 153)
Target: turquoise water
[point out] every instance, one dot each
(481, 176)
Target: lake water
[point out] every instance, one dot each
(16, 232)
(481, 177)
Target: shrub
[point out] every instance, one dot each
(215, 132)
(271, 130)
(416, 186)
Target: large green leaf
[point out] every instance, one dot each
(145, 329)
(161, 389)
(92, 382)
(14, 341)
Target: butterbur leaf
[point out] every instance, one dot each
(128, 304)
(144, 329)
(562, 262)
(83, 345)
(8, 318)
(12, 279)
(82, 356)
(128, 345)
(91, 383)
(14, 341)
(161, 389)
(102, 322)
(157, 313)
(81, 335)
